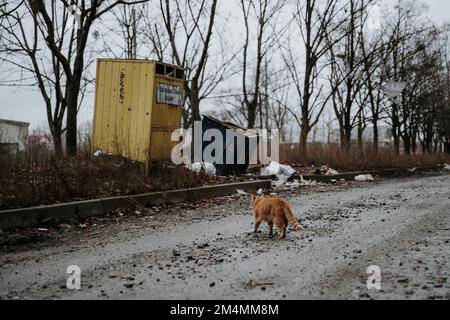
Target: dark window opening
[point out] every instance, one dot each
(160, 69)
(180, 74)
(170, 71)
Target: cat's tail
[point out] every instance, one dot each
(291, 219)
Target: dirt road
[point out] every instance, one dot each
(205, 251)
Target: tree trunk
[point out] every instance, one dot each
(195, 102)
(360, 133)
(57, 144)
(251, 111)
(396, 144)
(304, 144)
(376, 138)
(395, 129)
(347, 131)
(447, 147)
(407, 144)
(414, 143)
(71, 129)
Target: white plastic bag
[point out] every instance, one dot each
(282, 172)
(364, 178)
(198, 167)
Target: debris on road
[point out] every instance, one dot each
(364, 178)
(282, 172)
(447, 167)
(241, 192)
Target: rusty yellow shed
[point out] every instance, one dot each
(138, 104)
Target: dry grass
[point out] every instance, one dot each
(358, 160)
(36, 178)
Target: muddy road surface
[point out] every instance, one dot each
(205, 251)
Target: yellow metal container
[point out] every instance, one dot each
(138, 104)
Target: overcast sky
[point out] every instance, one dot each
(26, 104)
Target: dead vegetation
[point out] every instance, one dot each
(358, 158)
(36, 177)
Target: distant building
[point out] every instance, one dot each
(13, 136)
(40, 141)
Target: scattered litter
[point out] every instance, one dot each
(241, 192)
(447, 167)
(260, 192)
(83, 226)
(327, 171)
(282, 172)
(364, 178)
(42, 229)
(331, 172)
(205, 167)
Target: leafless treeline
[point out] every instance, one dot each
(278, 64)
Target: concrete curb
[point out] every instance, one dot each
(36, 216)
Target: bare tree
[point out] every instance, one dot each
(347, 72)
(53, 54)
(186, 39)
(265, 13)
(408, 36)
(124, 37)
(315, 21)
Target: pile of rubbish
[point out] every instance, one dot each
(282, 172)
(326, 171)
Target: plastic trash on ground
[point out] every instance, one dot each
(364, 178)
(447, 167)
(241, 192)
(282, 172)
(198, 167)
(100, 153)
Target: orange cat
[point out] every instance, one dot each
(275, 211)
